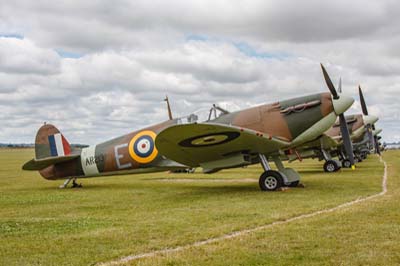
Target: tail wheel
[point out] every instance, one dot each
(270, 180)
(331, 166)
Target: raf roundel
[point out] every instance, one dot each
(142, 148)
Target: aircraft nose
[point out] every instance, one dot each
(342, 104)
(370, 119)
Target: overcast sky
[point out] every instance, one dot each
(100, 69)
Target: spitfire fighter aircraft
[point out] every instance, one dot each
(368, 141)
(250, 136)
(373, 138)
(362, 136)
(256, 135)
(362, 147)
(330, 144)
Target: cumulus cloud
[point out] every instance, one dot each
(128, 54)
(24, 57)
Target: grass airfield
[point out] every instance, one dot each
(112, 217)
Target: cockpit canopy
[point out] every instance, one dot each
(203, 115)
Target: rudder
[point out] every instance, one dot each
(50, 142)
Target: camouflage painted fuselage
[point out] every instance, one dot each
(285, 120)
(289, 121)
(355, 124)
(131, 153)
(332, 143)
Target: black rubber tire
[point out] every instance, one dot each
(331, 166)
(346, 163)
(270, 180)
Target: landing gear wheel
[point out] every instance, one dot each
(294, 184)
(75, 185)
(346, 163)
(270, 180)
(331, 166)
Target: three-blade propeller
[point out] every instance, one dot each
(343, 124)
(369, 127)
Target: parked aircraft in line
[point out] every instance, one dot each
(250, 136)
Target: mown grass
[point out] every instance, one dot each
(116, 216)
(367, 233)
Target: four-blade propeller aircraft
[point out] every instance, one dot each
(250, 136)
(361, 134)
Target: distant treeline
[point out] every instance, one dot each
(392, 146)
(392, 143)
(31, 145)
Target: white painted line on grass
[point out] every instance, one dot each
(247, 231)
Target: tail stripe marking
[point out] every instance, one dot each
(67, 149)
(53, 148)
(59, 144)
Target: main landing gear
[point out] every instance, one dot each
(272, 180)
(74, 184)
(346, 163)
(330, 165)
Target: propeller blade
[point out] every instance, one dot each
(362, 100)
(369, 127)
(340, 85)
(370, 136)
(348, 146)
(329, 83)
(377, 149)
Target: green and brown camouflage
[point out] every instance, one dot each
(116, 156)
(267, 129)
(355, 124)
(331, 140)
(236, 139)
(285, 120)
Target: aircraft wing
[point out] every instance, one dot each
(324, 141)
(39, 164)
(214, 146)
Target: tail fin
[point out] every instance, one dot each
(51, 147)
(50, 142)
